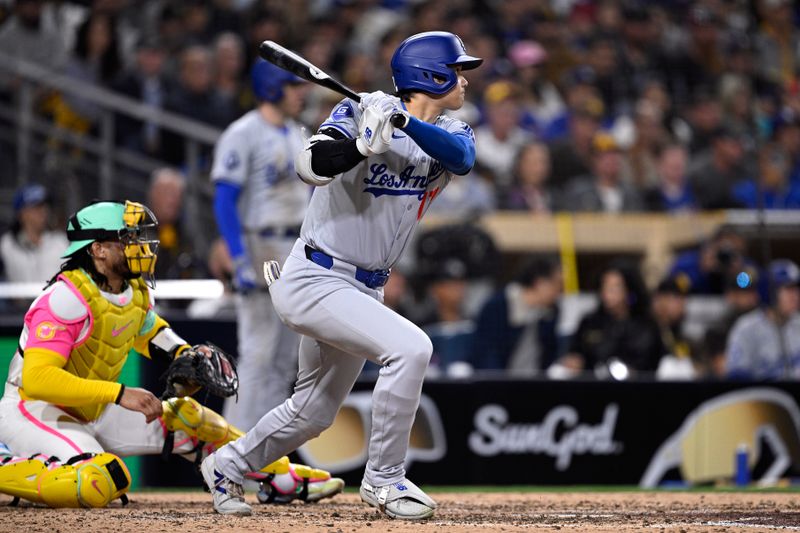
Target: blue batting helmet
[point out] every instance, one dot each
(425, 61)
(268, 81)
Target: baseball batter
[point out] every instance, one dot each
(65, 417)
(259, 205)
(374, 182)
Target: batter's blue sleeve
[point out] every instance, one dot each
(455, 152)
(225, 197)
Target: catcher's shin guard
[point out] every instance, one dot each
(87, 480)
(188, 415)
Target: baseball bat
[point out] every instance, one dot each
(301, 67)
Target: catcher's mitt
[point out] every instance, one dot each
(201, 366)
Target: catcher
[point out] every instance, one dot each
(64, 416)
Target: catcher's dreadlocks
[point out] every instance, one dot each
(81, 259)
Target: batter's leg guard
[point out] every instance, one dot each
(289, 481)
(87, 480)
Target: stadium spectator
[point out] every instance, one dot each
(516, 328)
(777, 41)
(649, 136)
(669, 312)
(24, 36)
(175, 252)
(620, 339)
(195, 97)
(467, 197)
(672, 192)
(571, 155)
(714, 172)
(445, 321)
(96, 60)
(31, 250)
(540, 100)
(717, 260)
(693, 61)
(144, 81)
(771, 188)
(743, 293)
(703, 116)
(765, 343)
(229, 71)
(498, 141)
(615, 91)
(531, 191)
(638, 43)
(786, 134)
(739, 113)
(602, 190)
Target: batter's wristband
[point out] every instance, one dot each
(121, 392)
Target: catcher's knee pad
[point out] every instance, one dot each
(87, 480)
(188, 415)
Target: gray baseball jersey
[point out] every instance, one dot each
(367, 215)
(259, 157)
(755, 347)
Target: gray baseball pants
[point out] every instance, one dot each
(343, 323)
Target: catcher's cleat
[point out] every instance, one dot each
(302, 483)
(402, 500)
(228, 496)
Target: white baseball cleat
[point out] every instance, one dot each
(402, 500)
(228, 496)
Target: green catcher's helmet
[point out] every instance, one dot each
(133, 224)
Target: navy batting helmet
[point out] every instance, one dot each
(268, 81)
(425, 61)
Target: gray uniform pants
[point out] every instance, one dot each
(267, 362)
(343, 323)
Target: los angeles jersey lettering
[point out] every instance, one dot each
(367, 215)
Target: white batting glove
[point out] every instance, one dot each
(380, 99)
(374, 132)
(272, 272)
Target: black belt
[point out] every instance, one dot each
(374, 279)
(279, 231)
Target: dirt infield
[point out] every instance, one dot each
(506, 512)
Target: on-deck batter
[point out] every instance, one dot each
(259, 205)
(374, 184)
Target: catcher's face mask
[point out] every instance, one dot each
(140, 238)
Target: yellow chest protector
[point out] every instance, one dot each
(114, 329)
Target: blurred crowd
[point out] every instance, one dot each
(605, 106)
(581, 105)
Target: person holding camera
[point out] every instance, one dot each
(721, 257)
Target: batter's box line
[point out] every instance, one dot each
(725, 523)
